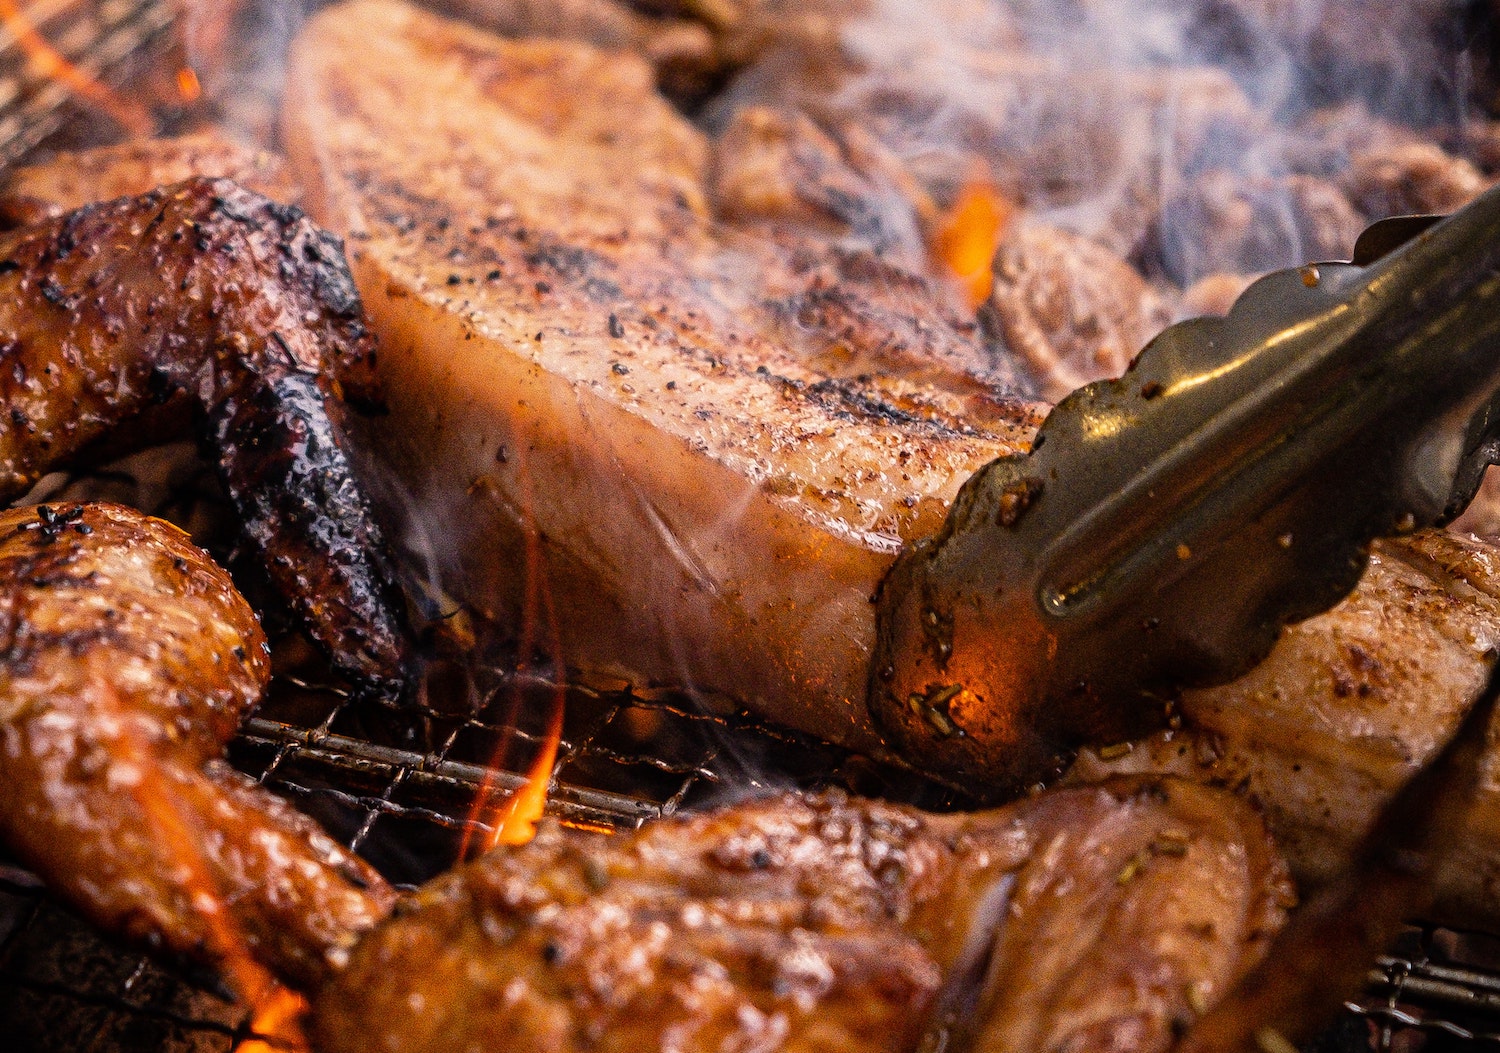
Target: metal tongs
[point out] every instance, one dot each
(1166, 525)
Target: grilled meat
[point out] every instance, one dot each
(1069, 308)
(1221, 221)
(1413, 178)
(73, 179)
(705, 523)
(697, 425)
(207, 294)
(128, 660)
(683, 51)
(1091, 919)
(1347, 707)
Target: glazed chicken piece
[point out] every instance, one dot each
(207, 295)
(129, 659)
(1094, 919)
(1347, 708)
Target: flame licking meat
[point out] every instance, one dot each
(275, 1011)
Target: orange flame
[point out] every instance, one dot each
(188, 85)
(275, 1010)
(518, 823)
(514, 822)
(968, 235)
(46, 61)
(276, 1027)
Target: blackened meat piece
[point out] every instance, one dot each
(208, 292)
(128, 659)
(1092, 919)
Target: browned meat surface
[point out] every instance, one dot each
(1214, 294)
(707, 524)
(683, 51)
(1348, 706)
(1069, 308)
(1091, 919)
(75, 178)
(207, 294)
(128, 660)
(719, 455)
(1413, 179)
(1220, 221)
(781, 167)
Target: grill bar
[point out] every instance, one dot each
(106, 41)
(401, 786)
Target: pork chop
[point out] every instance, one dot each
(698, 432)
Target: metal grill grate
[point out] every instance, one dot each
(108, 41)
(400, 786)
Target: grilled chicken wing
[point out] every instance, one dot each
(1091, 919)
(128, 659)
(245, 310)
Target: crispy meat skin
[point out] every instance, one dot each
(128, 658)
(1077, 920)
(699, 425)
(246, 310)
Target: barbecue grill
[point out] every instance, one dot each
(408, 788)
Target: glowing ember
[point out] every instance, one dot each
(188, 86)
(46, 61)
(967, 237)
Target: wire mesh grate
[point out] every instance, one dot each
(108, 42)
(400, 785)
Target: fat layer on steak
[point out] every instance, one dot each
(693, 423)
